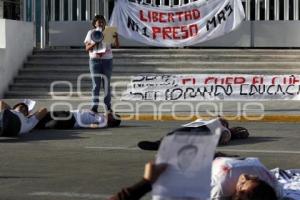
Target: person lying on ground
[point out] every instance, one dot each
(232, 179)
(17, 120)
(243, 179)
(78, 119)
(227, 134)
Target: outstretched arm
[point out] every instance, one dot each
(33, 120)
(41, 113)
(138, 190)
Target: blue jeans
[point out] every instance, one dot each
(101, 67)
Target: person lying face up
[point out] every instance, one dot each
(17, 120)
(78, 119)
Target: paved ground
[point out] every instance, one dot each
(93, 164)
(275, 108)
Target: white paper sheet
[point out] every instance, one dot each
(30, 103)
(108, 33)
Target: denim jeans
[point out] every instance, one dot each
(101, 67)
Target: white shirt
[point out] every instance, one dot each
(27, 123)
(108, 52)
(226, 172)
(85, 118)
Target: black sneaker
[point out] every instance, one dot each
(149, 146)
(239, 133)
(94, 110)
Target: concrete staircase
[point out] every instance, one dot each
(46, 66)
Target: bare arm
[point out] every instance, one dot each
(4, 106)
(138, 190)
(41, 113)
(89, 46)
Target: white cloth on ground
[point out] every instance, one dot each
(85, 118)
(290, 182)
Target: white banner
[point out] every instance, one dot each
(176, 26)
(212, 87)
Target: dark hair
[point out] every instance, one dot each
(113, 120)
(186, 147)
(96, 18)
(21, 104)
(262, 191)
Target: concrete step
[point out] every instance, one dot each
(33, 79)
(125, 58)
(179, 64)
(62, 87)
(46, 66)
(73, 74)
(56, 95)
(173, 51)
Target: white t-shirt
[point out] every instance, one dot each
(93, 55)
(226, 172)
(27, 123)
(85, 118)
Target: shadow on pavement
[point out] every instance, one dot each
(39, 135)
(20, 177)
(132, 126)
(253, 140)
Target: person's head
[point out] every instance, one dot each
(113, 120)
(252, 188)
(99, 22)
(186, 155)
(22, 108)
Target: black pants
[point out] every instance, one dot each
(52, 120)
(11, 124)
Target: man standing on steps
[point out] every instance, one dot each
(100, 62)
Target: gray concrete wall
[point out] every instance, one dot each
(276, 34)
(71, 33)
(1, 9)
(2, 34)
(16, 43)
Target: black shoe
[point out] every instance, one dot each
(109, 111)
(150, 146)
(94, 110)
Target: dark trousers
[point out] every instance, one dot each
(10, 124)
(57, 120)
